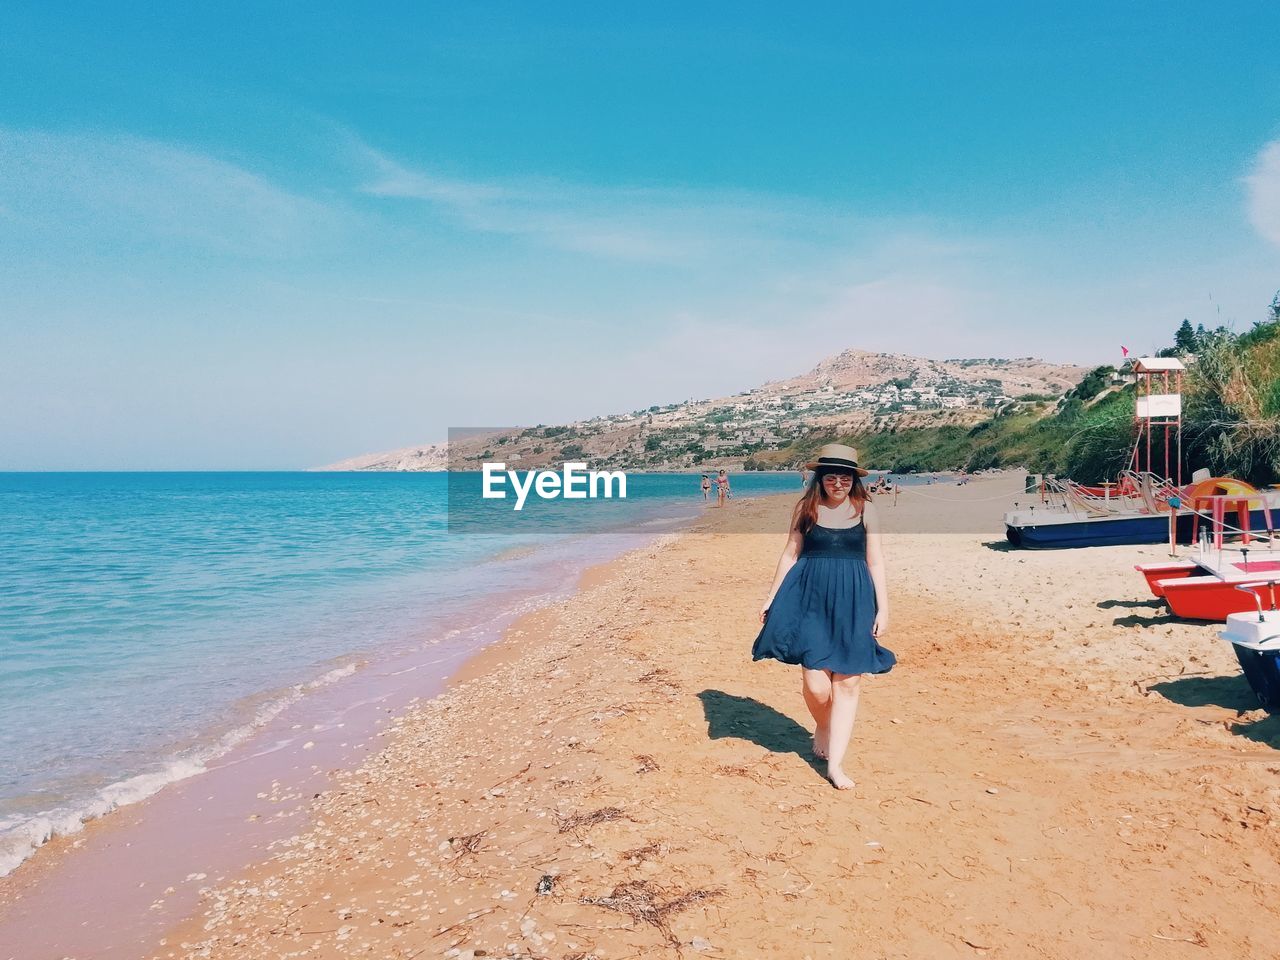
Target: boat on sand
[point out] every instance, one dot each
(1254, 635)
(1139, 508)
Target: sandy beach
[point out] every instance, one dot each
(1054, 769)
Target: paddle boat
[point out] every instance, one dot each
(1140, 508)
(1208, 585)
(1073, 515)
(1213, 594)
(1204, 598)
(1254, 635)
(1154, 573)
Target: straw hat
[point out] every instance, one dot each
(839, 456)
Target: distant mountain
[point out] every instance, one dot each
(854, 369)
(431, 456)
(854, 390)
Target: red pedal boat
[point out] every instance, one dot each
(1206, 598)
(1156, 572)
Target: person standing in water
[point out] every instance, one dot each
(828, 606)
(722, 487)
(706, 487)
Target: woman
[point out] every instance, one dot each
(722, 488)
(828, 606)
(706, 487)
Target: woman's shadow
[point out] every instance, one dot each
(742, 718)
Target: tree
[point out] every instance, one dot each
(1267, 329)
(1184, 341)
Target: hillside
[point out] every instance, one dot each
(857, 369)
(431, 456)
(852, 392)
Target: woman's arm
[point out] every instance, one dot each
(875, 564)
(790, 553)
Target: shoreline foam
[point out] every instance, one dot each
(22, 838)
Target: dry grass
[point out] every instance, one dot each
(657, 675)
(647, 903)
(650, 851)
(467, 845)
(579, 821)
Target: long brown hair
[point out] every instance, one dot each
(805, 514)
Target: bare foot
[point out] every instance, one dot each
(838, 779)
(820, 738)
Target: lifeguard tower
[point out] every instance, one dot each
(1157, 418)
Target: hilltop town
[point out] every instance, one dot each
(851, 391)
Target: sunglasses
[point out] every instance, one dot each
(841, 478)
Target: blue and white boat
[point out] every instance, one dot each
(1139, 511)
(1045, 528)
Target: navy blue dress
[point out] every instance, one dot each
(821, 616)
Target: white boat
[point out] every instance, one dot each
(1254, 635)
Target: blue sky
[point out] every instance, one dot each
(270, 238)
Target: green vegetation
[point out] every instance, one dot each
(1078, 437)
(1232, 416)
(1093, 383)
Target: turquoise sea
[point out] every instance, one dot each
(150, 622)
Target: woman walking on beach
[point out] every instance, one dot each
(722, 488)
(828, 605)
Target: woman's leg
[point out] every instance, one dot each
(845, 689)
(816, 686)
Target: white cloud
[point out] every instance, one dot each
(629, 224)
(393, 179)
(1263, 183)
(113, 190)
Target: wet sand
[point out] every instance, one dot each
(1054, 769)
(159, 853)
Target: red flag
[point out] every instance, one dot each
(1124, 350)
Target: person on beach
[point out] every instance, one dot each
(828, 607)
(706, 487)
(722, 488)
